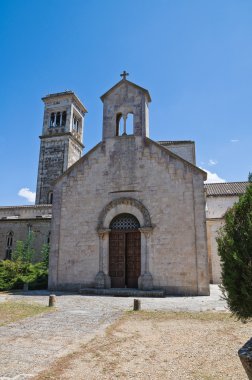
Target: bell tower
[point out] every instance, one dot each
(61, 140)
(124, 99)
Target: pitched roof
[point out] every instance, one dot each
(130, 83)
(177, 142)
(166, 150)
(225, 188)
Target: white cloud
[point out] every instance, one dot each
(234, 141)
(213, 177)
(212, 162)
(28, 194)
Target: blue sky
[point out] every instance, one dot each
(194, 57)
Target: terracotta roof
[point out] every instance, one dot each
(164, 143)
(225, 188)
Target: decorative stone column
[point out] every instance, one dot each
(124, 125)
(102, 279)
(145, 281)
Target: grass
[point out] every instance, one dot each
(13, 311)
(179, 315)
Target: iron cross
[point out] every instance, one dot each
(124, 74)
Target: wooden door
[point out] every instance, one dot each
(132, 259)
(124, 258)
(117, 259)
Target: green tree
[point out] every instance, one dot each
(22, 270)
(235, 250)
(45, 254)
(250, 177)
(9, 278)
(24, 251)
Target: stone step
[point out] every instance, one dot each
(122, 292)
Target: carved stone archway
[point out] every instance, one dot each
(128, 205)
(111, 210)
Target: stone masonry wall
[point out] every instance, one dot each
(186, 151)
(19, 220)
(57, 154)
(170, 189)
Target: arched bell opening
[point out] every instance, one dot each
(119, 124)
(130, 124)
(124, 124)
(124, 251)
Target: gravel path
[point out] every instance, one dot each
(31, 345)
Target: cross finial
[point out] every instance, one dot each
(124, 74)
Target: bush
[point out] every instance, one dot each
(19, 271)
(40, 281)
(13, 275)
(9, 275)
(235, 250)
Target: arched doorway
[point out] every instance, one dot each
(124, 251)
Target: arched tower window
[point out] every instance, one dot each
(76, 124)
(119, 124)
(58, 117)
(9, 245)
(130, 124)
(124, 124)
(52, 119)
(50, 197)
(63, 118)
(124, 222)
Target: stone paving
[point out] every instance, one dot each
(32, 344)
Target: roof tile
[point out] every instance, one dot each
(225, 188)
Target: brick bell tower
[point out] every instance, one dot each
(61, 141)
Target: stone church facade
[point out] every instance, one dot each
(130, 200)
(129, 213)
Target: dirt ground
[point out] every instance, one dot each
(159, 345)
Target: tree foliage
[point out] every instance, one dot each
(24, 251)
(235, 250)
(22, 270)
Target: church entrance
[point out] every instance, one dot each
(124, 251)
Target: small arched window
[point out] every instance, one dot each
(9, 245)
(50, 197)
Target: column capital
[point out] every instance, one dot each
(146, 230)
(103, 231)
